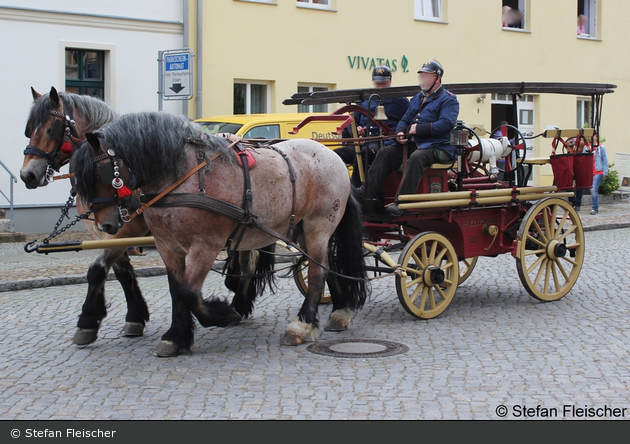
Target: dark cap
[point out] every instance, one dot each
(432, 66)
(381, 74)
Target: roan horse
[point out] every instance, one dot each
(298, 181)
(56, 126)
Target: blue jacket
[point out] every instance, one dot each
(601, 160)
(395, 109)
(436, 117)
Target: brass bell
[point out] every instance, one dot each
(379, 114)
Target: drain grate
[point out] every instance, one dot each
(358, 348)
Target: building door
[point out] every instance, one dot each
(503, 111)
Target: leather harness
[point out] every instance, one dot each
(243, 215)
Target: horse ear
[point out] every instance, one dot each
(93, 140)
(54, 97)
(36, 95)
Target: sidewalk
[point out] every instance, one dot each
(20, 270)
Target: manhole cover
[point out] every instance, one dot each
(358, 348)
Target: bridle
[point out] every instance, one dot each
(109, 174)
(63, 131)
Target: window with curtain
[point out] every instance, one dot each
(251, 98)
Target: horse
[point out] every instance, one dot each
(56, 127)
(298, 187)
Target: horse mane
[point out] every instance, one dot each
(96, 112)
(151, 144)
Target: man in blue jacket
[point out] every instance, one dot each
(395, 109)
(431, 117)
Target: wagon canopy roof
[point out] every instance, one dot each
(513, 88)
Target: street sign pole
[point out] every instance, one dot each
(160, 79)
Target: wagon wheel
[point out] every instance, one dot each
(300, 276)
(432, 269)
(550, 251)
(466, 267)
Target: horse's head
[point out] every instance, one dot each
(49, 131)
(104, 182)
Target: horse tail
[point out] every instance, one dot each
(265, 276)
(346, 257)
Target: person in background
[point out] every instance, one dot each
(581, 24)
(505, 16)
(600, 171)
(576, 200)
(395, 109)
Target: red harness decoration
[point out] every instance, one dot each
(67, 147)
(251, 160)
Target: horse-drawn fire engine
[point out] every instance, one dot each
(469, 208)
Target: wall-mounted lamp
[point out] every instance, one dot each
(481, 98)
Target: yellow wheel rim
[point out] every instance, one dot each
(550, 251)
(432, 270)
(301, 280)
(466, 267)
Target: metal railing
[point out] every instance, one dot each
(12, 180)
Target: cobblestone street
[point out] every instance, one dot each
(494, 345)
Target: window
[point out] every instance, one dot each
(263, 132)
(584, 113)
(323, 108)
(251, 98)
(428, 10)
(315, 3)
(85, 73)
(513, 14)
(587, 18)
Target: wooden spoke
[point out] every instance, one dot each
(535, 264)
(536, 241)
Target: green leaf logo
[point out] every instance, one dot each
(404, 63)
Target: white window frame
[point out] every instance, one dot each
(523, 6)
(420, 7)
(310, 87)
(248, 94)
(310, 4)
(591, 10)
(584, 106)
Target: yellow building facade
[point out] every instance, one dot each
(253, 54)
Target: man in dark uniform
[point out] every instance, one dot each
(395, 109)
(431, 117)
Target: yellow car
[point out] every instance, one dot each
(273, 126)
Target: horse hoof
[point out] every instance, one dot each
(336, 324)
(133, 329)
(339, 320)
(234, 319)
(85, 336)
(291, 338)
(166, 349)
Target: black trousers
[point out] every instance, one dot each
(388, 160)
(348, 155)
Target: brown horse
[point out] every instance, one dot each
(155, 150)
(56, 126)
